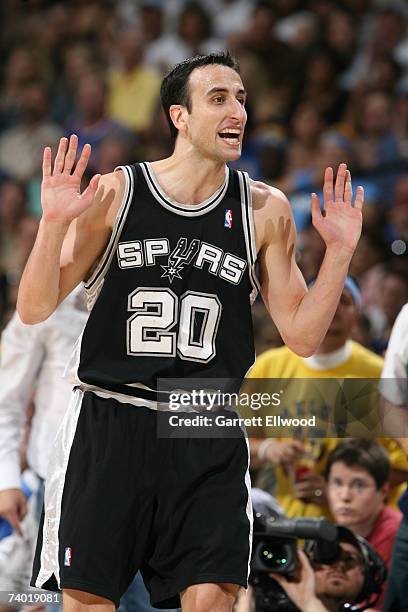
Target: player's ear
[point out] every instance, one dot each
(178, 114)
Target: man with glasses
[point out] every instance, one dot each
(357, 476)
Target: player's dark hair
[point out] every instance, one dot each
(364, 453)
(174, 88)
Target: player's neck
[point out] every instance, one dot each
(188, 178)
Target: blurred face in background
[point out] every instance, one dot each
(130, 49)
(91, 98)
(194, 25)
(320, 71)
(393, 295)
(152, 21)
(341, 32)
(12, 204)
(333, 150)
(21, 66)
(345, 316)
(354, 499)
(78, 63)
(306, 124)
(34, 103)
(376, 115)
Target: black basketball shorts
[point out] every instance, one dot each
(118, 499)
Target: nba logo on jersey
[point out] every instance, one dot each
(228, 218)
(68, 556)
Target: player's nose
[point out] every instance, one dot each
(237, 112)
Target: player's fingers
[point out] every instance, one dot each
(359, 201)
(328, 186)
(316, 212)
(71, 155)
(46, 165)
(82, 161)
(59, 159)
(348, 189)
(340, 183)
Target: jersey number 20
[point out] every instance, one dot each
(157, 311)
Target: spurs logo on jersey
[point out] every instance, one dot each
(203, 255)
(180, 257)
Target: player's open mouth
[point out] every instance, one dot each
(230, 136)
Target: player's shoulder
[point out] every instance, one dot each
(113, 180)
(268, 198)
(109, 196)
(370, 359)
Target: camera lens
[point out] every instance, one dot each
(274, 557)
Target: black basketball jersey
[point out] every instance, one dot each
(171, 296)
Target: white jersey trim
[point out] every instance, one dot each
(94, 282)
(249, 232)
(186, 210)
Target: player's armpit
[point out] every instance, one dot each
(89, 234)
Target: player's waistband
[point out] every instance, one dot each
(173, 400)
(147, 398)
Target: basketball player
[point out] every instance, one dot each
(167, 252)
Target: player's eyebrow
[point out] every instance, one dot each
(214, 90)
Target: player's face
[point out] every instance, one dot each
(343, 579)
(217, 119)
(353, 495)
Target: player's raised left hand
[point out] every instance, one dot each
(340, 222)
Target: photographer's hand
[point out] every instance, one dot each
(311, 489)
(302, 592)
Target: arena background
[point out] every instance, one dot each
(327, 82)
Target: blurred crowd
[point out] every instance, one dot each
(327, 82)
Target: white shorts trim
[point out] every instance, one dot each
(54, 487)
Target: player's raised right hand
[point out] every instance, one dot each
(61, 198)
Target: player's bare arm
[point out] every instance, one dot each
(73, 232)
(303, 316)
